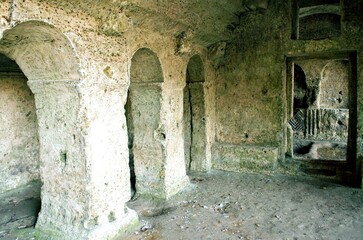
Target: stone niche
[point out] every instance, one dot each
(315, 19)
(146, 136)
(194, 116)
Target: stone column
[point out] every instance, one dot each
(62, 162)
(83, 160)
(107, 159)
(172, 120)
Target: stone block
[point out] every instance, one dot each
(239, 158)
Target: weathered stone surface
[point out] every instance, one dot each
(19, 208)
(54, 59)
(77, 57)
(147, 143)
(19, 151)
(244, 158)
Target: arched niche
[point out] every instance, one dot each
(47, 59)
(316, 19)
(145, 67)
(146, 136)
(194, 116)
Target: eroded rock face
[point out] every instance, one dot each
(19, 133)
(250, 84)
(79, 59)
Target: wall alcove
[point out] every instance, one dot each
(194, 115)
(143, 107)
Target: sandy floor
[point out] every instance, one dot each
(225, 205)
(244, 206)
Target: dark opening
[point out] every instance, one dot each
(320, 108)
(301, 91)
(130, 130)
(188, 123)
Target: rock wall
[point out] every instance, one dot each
(77, 57)
(251, 102)
(80, 76)
(84, 167)
(19, 151)
(146, 132)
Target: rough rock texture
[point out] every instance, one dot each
(146, 132)
(251, 108)
(259, 207)
(78, 59)
(195, 132)
(244, 159)
(73, 147)
(19, 149)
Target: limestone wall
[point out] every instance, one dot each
(251, 104)
(19, 149)
(77, 56)
(79, 72)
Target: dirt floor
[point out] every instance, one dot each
(223, 205)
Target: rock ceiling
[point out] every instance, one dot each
(203, 21)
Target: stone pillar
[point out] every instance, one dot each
(62, 163)
(172, 120)
(83, 164)
(107, 159)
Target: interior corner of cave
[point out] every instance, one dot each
(149, 119)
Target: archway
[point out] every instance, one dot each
(48, 61)
(194, 116)
(143, 121)
(19, 150)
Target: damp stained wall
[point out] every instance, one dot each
(19, 149)
(328, 100)
(250, 84)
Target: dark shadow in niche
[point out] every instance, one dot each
(300, 89)
(319, 26)
(315, 19)
(130, 130)
(194, 115)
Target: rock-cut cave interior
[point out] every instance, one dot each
(177, 119)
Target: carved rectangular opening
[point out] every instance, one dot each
(322, 109)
